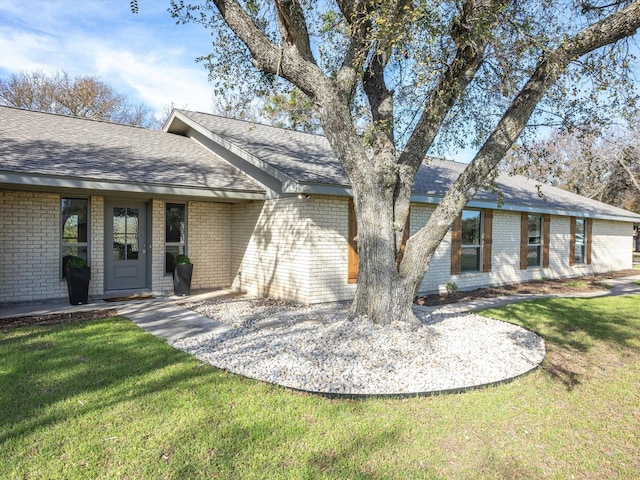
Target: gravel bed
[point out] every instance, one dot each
(316, 349)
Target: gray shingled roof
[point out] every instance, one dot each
(307, 158)
(62, 146)
(303, 157)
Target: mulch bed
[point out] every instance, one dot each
(129, 298)
(57, 318)
(586, 283)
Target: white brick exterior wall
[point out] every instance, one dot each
(209, 240)
(328, 250)
(293, 248)
(96, 245)
(611, 250)
(30, 239)
(273, 259)
(160, 282)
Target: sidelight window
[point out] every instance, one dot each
(74, 214)
(175, 233)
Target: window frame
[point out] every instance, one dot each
(182, 245)
(537, 246)
(476, 246)
(61, 238)
(580, 246)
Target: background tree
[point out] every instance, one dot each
(603, 167)
(81, 96)
(391, 80)
(292, 110)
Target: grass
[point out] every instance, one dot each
(636, 259)
(102, 399)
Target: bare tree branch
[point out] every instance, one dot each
(293, 27)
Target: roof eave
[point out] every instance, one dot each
(47, 182)
(512, 207)
(312, 188)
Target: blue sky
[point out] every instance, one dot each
(145, 56)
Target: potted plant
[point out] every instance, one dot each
(182, 275)
(78, 274)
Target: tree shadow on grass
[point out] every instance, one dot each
(573, 327)
(45, 366)
(579, 323)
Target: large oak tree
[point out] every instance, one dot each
(390, 79)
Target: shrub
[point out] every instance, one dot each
(182, 260)
(452, 287)
(76, 262)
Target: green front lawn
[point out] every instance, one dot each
(103, 399)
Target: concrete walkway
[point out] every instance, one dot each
(619, 286)
(162, 317)
(165, 318)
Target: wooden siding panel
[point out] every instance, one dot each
(456, 246)
(546, 239)
(524, 240)
(352, 233)
(572, 241)
(487, 239)
(588, 241)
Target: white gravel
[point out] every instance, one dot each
(316, 349)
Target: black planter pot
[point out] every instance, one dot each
(182, 278)
(78, 285)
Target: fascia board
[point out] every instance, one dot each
(316, 189)
(434, 200)
(17, 180)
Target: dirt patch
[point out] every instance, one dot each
(559, 286)
(57, 318)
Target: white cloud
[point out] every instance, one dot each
(146, 57)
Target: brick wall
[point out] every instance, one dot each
(293, 248)
(329, 249)
(161, 283)
(209, 243)
(29, 235)
(271, 248)
(611, 250)
(96, 245)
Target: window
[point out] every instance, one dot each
(579, 255)
(534, 248)
(175, 234)
(535, 238)
(74, 214)
(126, 233)
(471, 242)
(470, 237)
(580, 230)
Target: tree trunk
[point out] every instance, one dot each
(381, 294)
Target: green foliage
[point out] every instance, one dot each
(452, 287)
(292, 110)
(76, 262)
(182, 260)
(595, 91)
